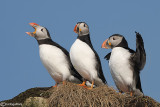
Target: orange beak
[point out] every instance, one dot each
(104, 44)
(29, 33)
(32, 33)
(33, 24)
(75, 29)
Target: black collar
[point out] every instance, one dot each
(86, 39)
(45, 41)
(123, 43)
(50, 42)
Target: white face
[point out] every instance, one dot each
(114, 41)
(41, 33)
(82, 29)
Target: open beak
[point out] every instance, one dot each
(34, 26)
(106, 44)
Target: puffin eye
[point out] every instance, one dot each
(84, 25)
(42, 30)
(114, 38)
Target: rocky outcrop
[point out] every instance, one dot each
(73, 95)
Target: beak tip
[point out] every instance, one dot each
(102, 47)
(33, 24)
(27, 33)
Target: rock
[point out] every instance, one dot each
(71, 95)
(35, 102)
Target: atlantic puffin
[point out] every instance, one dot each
(85, 59)
(54, 57)
(125, 64)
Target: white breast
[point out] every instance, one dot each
(120, 68)
(83, 59)
(54, 61)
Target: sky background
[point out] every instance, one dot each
(21, 67)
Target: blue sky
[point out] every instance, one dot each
(21, 67)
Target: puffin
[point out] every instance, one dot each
(54, 57)
(85, 59)
(125, 64)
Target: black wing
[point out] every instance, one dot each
(139, 57)
(99, 68)
(138, 60)
(73, 71)
(86, 39)
(107, 57)
(138, 85)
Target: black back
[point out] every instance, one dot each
(86, 39)
(72, 69)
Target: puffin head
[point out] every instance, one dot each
(39, 33)
(115, 40)
(81, 29)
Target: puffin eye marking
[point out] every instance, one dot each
(114, 38)
(84, 25)
(42, 30)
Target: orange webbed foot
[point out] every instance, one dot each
(85, 87)
(89, 88)
(64, 82)
(55, 85)
(83, 84)
(131, 93)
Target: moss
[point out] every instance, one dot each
(33, 92)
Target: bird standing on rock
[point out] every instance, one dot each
(84, 58)
(126, 64)
(54, 57)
